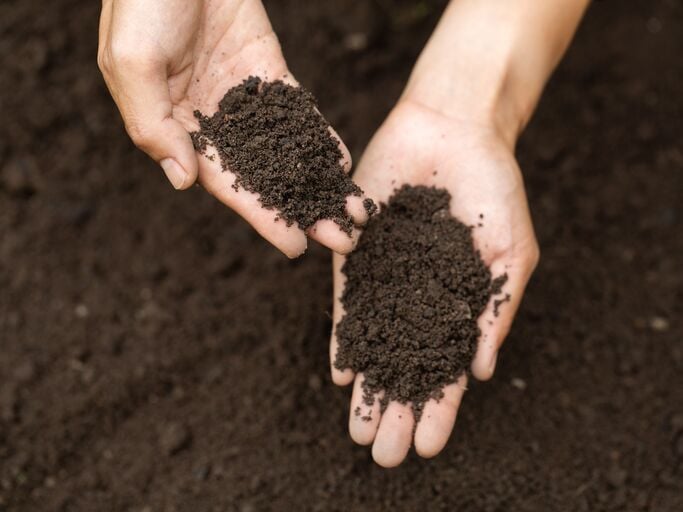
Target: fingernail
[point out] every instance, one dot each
(174, 172)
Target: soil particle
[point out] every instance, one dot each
(278, 145)
(518, 383)
(315, 382)
(659, 324)
(415, 288)
(370, 206)
(20, 176)
(26, 372)
(174, 437)
(202, 472)
(497, 303)
(616, 476)
(498, 283)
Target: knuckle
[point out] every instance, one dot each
(123, 54)
(533, 255)
(103, 61)
(100, 62)
(139, 134)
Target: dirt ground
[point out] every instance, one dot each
(156, 355)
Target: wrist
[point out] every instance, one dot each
(465, 72)
(488, 61)
(481, 94)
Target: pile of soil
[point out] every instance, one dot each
(415, 286)
(157, 354)
(278, 145)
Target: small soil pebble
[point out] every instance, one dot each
(174, 437)
(497, 303)
(415, 288)
(20, 176)
(518, 383)
(659, 324)
(273, 138)
(26, 372)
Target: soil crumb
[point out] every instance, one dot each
(497, 303)
(370, 206)
(415, 288)
(498, 283)
(279, 146)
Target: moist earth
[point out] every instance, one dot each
(273, 138)
(415, 287)
(156, 354)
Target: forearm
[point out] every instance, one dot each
(488, 60)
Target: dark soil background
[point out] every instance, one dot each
(157, 355)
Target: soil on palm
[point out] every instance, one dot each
(273, 138)
(415, 287)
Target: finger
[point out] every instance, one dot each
(356, 209)
(289, 239)
(354, 204)
(364, 418)
(328, 233)
(394, 435)
(104, 25)
(345, 161)
(438, 418)
(495, 322)
(339, 377)
(138, 82)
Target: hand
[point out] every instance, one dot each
(479, 170)
(164, 60)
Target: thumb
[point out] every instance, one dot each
(167, 142)
(139, 86)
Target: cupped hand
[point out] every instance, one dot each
(419, 146)
(164, 60)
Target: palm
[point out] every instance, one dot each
(223, 43)
(170, 59)
(418, 146)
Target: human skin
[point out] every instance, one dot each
(164, 59)
(470, 95)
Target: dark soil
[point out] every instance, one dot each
(415, 287)
(156, 354)
(273, 138)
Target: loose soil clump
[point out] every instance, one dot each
(273, 138)
(415, 288)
